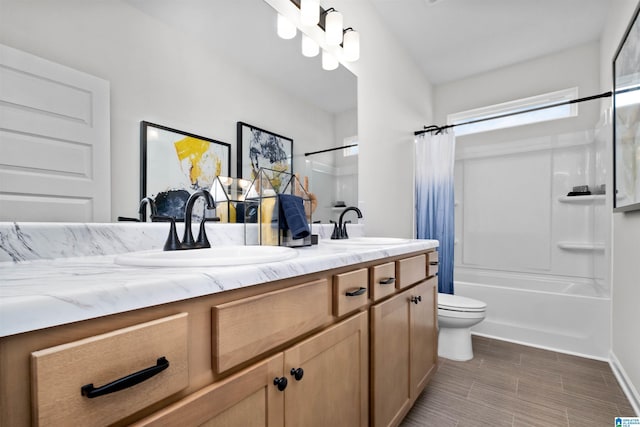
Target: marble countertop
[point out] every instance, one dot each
(41, 293)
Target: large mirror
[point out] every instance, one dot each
(626, 119)
(244, 30)
(198, 66)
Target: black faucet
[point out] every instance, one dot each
(142, 210)
(340, 229)
(173, 242)
(187, 239)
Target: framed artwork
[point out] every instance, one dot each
(259, 148)
(175, 164)
(626, 119)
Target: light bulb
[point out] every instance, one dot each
(309, 12)
(351, 45)
(329, 62)
(309, 46)
(286, 29)
(333, 28)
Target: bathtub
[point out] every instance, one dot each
(569, 315)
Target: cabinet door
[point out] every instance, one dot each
(248, 398)
(333, 389)
(390, 360)
(423, 335)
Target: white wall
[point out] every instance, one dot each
(157, 74)
(625, 276)
(394, 99)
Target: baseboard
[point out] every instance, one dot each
(528, 344)
(626, 384)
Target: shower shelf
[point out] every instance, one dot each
(581, 246)
(583, 199)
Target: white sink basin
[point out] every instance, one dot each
(378, 241)
(211, 257)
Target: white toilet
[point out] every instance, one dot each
(456, 316)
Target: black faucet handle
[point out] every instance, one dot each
(173, 242)
(127, 219)
(202, 241)
(337, 232)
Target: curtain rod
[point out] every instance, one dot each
(433, 128)
(330, 149)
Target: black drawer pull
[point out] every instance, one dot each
(387, 281)
(356, 293)
(125, 382)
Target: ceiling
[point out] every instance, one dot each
(454, 39)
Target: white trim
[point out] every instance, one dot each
(513, 107)
(543, 347)
(625, 383)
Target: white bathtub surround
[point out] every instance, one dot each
(40, 293)
(570, 315)
(534, 255)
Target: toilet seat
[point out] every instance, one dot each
(459, 303)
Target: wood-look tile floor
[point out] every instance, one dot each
(508, 384)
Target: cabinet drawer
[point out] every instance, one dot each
(248, 398)
(59, 373)
(383, 280)
(251, 326)
(410, 271)
(432, 263)
(350, 291)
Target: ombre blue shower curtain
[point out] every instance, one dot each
(435, 200)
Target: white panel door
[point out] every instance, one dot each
(54, 142)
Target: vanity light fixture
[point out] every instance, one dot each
(286, 29)
(329, 62)
(351, 45)
(333, 27)
(339, 42)
(309, 46)
(309, 12)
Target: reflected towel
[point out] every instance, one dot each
(292, 215)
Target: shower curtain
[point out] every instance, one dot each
(434, 198)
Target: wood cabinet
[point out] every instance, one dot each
(251, 326)
(333, 388)
(101, 379)
(321, 381)
(403, 351)
(355, 346)
(248, 398)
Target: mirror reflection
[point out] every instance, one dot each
(245, 32)
(197, 66)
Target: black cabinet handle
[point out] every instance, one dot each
(416, 300)
(280, 382)
(360, 291)
(297, 373)
(387, 281)
(125, 382)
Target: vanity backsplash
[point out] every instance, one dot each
(26, 241)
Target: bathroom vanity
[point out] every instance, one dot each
(341, 335)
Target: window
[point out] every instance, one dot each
(350, 151)
(504, 112)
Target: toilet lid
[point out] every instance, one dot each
(459, 303)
